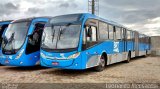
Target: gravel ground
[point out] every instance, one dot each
(139, 70)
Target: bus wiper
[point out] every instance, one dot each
(43, 38)
(53, 33)
(62, 30)
(11, 38)
(59, 35)
(5, 40)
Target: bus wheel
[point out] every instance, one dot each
(101, 65)
(128, 58)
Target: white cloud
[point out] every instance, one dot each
(141, 15)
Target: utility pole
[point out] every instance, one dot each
(93, 7)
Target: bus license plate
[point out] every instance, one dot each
(55, 63)
(7, 61)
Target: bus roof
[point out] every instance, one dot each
(88, 15)
(6, 21)
(110, 22)
(105, 20)
(30, 19)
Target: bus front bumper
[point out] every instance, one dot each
(62, 64)
(24, 61)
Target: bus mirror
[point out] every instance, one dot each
(85, 26)
(30, 32)
(30, 40)
(29, 35)
(89, 33)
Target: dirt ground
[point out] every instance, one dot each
(139, 70)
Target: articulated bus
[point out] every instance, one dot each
(21, 42)
(81, 41)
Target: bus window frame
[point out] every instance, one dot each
(112, 31)
(106, 29)
(120, 34)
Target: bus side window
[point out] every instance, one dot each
(129, 35)
(111, 30)
(34, 40)
(103, 31)
(118, 33)
(123, 35)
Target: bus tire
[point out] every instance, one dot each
(101, 65)
(128, 58)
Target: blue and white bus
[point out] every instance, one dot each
(81, 41)
(21, 42)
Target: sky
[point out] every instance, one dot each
(139, 15)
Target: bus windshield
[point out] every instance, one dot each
(61, 37)
(14, 36)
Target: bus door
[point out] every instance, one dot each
(118, 44)
(124, 43)
(33, 44)
(133, 39)
(124, 36)
(136, 44)
(90, 39)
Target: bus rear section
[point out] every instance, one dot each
(142, 45)
(21, 42)
(85, 41)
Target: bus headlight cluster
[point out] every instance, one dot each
(74, 56)
(42, 55)
(20, 54)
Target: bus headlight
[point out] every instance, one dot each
(74, 56)
(20, 54)
(42, 55)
